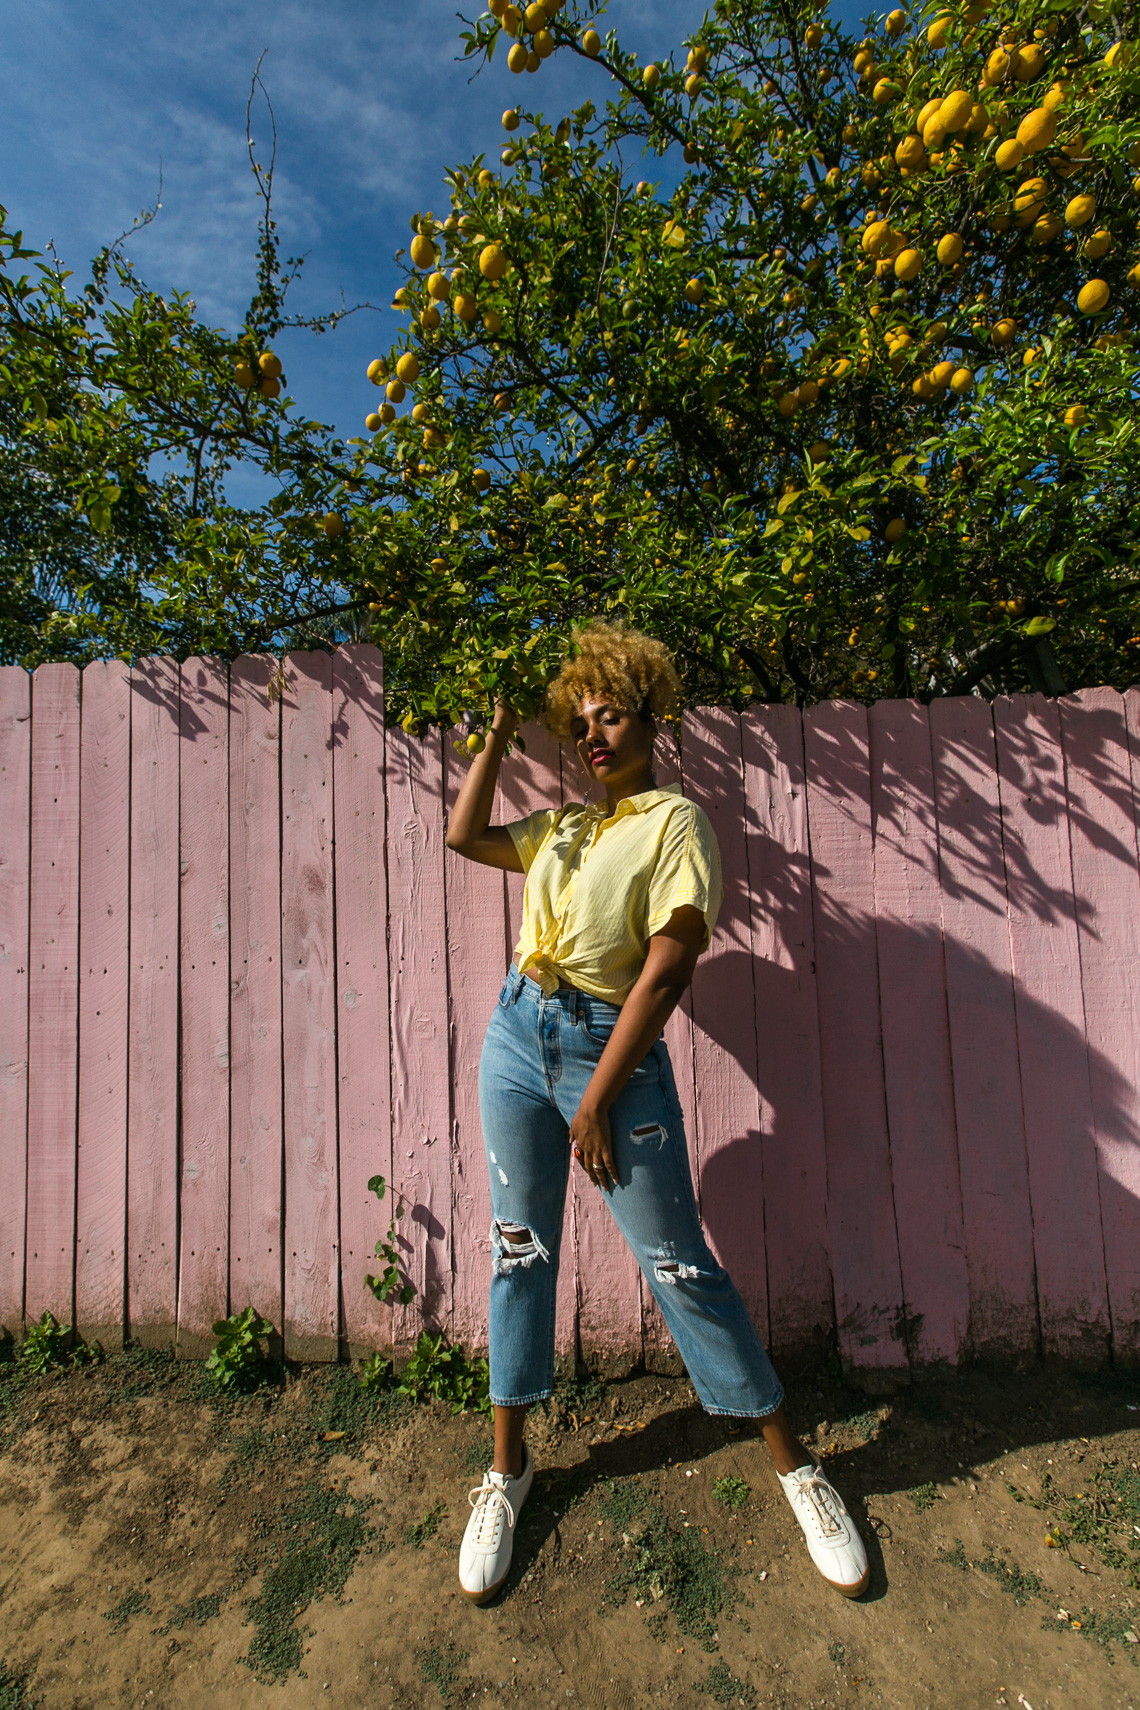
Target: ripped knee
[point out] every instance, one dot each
(668, 1269)
(514, 1244)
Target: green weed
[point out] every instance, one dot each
(1103, 1629)
(435, 1370)
(144, 1370)
(669, 1561)
(837, 1654)
(623, 1501)
(955, 1557)
(199, 1610)
(240, 1361)
(923, 1496)
(1021, 1586)
(389, 1281)
(48, 1344)
(724, 1688)
(315, 1564)
(1104, 1516)
(440, 1666)
(376, 1375)
(418, 1534)
(733, 1492)
(131, 1603)
(580, 1395)
(15, 1689)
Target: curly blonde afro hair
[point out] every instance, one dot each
(617, 663)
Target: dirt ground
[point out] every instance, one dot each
(159, 1547)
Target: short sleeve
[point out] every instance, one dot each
(687, 872)
(527, 834)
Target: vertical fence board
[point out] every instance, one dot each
(657, 1346)
(724, 1024)
(256, 1150)
(203, 1260)
(152, 1066)
(363, 1053)
(1103, 831)
(104, 976)
(53, 993)
(1068, 1242)
(916, 1038)
(800, 1303)
(312, 1305)
(421, 1093)
(15, 824)
(477, 955)
(527, 782)
(983, 1031)
(861, 1219)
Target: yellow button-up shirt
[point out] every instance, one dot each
(598, 886)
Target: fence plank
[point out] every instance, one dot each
(800, 1306)
(421, 1094)
(1105, 881)
(477, 956)
(1068, 1242)
(152, 1067)
(15, 878)
(53, 993)
(312, 1306)
(983, 1031)
(916, 1036)
(724, 1024)
(363, 1053)
(256, 1149)
(104, 964)
(527, 782)
(203, 787)
(658, 1350)
(864, 1241)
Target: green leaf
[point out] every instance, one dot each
(1039, 626)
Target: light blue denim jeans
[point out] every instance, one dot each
(538, 1057)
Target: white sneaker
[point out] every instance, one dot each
(485, 1554)
(833, 1543)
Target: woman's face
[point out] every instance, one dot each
(613, 745)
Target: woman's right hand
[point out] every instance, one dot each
(505, 717)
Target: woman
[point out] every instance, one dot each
(620, 901)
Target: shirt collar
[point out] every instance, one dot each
(637, 804)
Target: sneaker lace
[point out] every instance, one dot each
(818, 1497)
(488, 1501)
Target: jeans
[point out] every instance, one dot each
(538, 1057)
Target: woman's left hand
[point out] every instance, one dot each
(590, 1138)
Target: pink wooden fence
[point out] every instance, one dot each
(240, 973)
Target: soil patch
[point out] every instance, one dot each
(161, 1546)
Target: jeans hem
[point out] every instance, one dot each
(523, 1400)
(744, 1412)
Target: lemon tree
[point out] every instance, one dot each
(813, 353)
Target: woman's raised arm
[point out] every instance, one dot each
(469, 832)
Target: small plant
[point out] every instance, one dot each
(723, 1687)
(45, 1345)
(923, 1496)
(418, 1534)
(199, 1610)
(436, 1370)
(733, 1492)
(837, 1654)
(131, 1603)
(1022, 1587)
(239, 1360)
(376, 1374)
(389, 1282)
(15, 1690)
(439, 1666)
(1104, 1629)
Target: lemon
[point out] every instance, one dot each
(465, 306)
(1134, 276)
(695, 291)
(813, 36)
(270, 365)
(373, 422)
(592, 43)
(1076, 416)
(512, 20)
(439, 287)
(962, 381)
(1004, 332)
(511, 119)
(481, 479)
(244, 374)
(923, 387)
(820, 451)
(908, 265)
(788, 404)
(875, 236)
(387, 413)
(1037, 130)
(938, 32)
(493, 322)
(998, 66)
(424, 252)
(807, 391)
(949, 249)
(434, 438)
(270, 388)
(333, 525)
(1118, 54)
(694, 85)
(841, 369)
(408, 723)
(1054, 97)
(492, 262)
(408, 368)
(910, 152)
(927, 113)
(1046, 227)
(934, 132)
(651, 76)
(979, 119)
(1080, 210)
(941, 374)
(674, 234)
(396, 391)
(885, 91)
(1009, 154)
(430, 318)
(378, 371)
(895, 529)
(475, 743)
(896, 22)
(955, 110)
(420, 413)
(1093, 297)
(374, 606)
(1097, 245)
(536, 16)
(1029, 357)
(517, 58)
